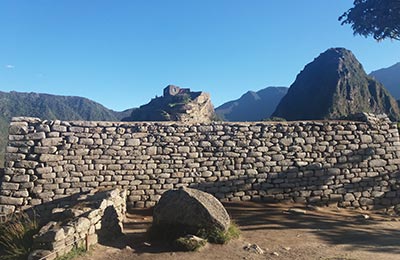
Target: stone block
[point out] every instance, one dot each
(349, 197)
(366, 139)
(26, 164)
(15, 157)
(82, 224)
(9, 186)
(366, 201)
(36, 136)
(52, 141)
(377, 163)
(151, 150)
(20, 178)
(18, 129)
(4, 200)
(86, 141)
(50, 157)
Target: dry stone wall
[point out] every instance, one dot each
(349, 163)
(95, 217)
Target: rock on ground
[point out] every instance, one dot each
(191, 208)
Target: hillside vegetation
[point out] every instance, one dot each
(334, 86)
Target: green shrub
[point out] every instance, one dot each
(16, 237)
(218, 236)
(171, 233)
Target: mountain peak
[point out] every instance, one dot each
(252, 106)
(333, 86)
(390, 78)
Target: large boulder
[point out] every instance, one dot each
(190, 209)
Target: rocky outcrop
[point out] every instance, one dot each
(191, 209)
(252, 106)
(334, 86)
(176, 105)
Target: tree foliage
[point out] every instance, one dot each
(377, 18)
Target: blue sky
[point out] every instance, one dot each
(123, 53)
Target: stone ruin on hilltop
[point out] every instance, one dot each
(177, 104)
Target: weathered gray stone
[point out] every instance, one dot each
(86, 141)
(9, 186)
(366, 139)
(50, 232)
(377, 163)
(20, 178)
(50, 157)
(36, 136)
(45, 149)
(4, 200)
(26, 164)
(196, 209)
(132, 142)
(366, 201)
(18, 129)
(82, 224)
(52, 141)
(349, 197)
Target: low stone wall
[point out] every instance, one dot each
(91, 219)
(349, 163)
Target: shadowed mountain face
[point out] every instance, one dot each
(47, 106)
(252, 106)
(390, 78)
(334, 86)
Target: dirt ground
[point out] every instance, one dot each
(279, 229)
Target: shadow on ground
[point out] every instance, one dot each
(334, 226)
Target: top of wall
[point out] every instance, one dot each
(369, 118)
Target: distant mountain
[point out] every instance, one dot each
(47, 106)
(53, 107)
(390, 78)
(252, 106)
(333, 86)
(123, 114)
(177, 104)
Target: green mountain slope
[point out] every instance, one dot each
(334, 86)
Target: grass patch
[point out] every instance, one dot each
(77, 251)
(16, 236)
(218, 236)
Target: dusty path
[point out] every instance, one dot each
(322, 233)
